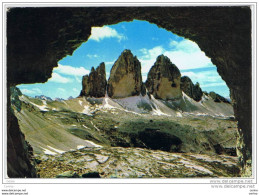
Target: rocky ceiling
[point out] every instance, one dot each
(37, 38)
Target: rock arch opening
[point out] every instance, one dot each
(145, 41)
(216, 30)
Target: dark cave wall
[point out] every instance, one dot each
(37, 38)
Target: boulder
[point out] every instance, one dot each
(125, 78)
(94, 84)
(68, 174)
(193, 91)
(163, 81)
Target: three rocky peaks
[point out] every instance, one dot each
(164, 80)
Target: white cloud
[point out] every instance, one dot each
(154, 39)
(110, 63)
(31, 91)
(205, 78)
(144, 78)
(213, 85)
(59, 79)
(78, 79)
(185, 45)
(61, 89)
(173, 43)
(184, 54)
(37, 90)
(75, 90)
(27, 91)
(70, 70)
(149, 57)
(92, 55)
(99, 33)
(188, 60)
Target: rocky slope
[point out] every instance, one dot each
(163, 80)
(218, 98)
(133, 121)
(125, 77)
(54, 128)
(193, 91)
(118, 162)
(95, 84)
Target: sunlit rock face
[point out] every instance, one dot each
(94, 84)
(37, 38)
(193, 91)
(163, 80)
(125, 77)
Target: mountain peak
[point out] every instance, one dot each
(163, 79)
(94, 84)
(193, 91)
(125, 77)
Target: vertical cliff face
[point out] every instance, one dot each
(19, 151)
(125, 78)
(193, 91)
(163, 80)
(94, 84)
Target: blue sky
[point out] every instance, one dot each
(146, 41)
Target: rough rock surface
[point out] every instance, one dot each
(193, 91)
(95, 84)
(137, 163)
(37, 38)
(163, 80)
(125, 78)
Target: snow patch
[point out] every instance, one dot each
(86, 111)
(93, 144)
(64, 102)
(95, 126)
(80, 102)
(178, 114)
(56, 150)
(106, 103)
(42, 108)
(46, 151)
(80, 147)
(156, 110)
(44, 102)
(188, 98)
(86, 127)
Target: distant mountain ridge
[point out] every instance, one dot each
(43, 97)
(46, 98)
